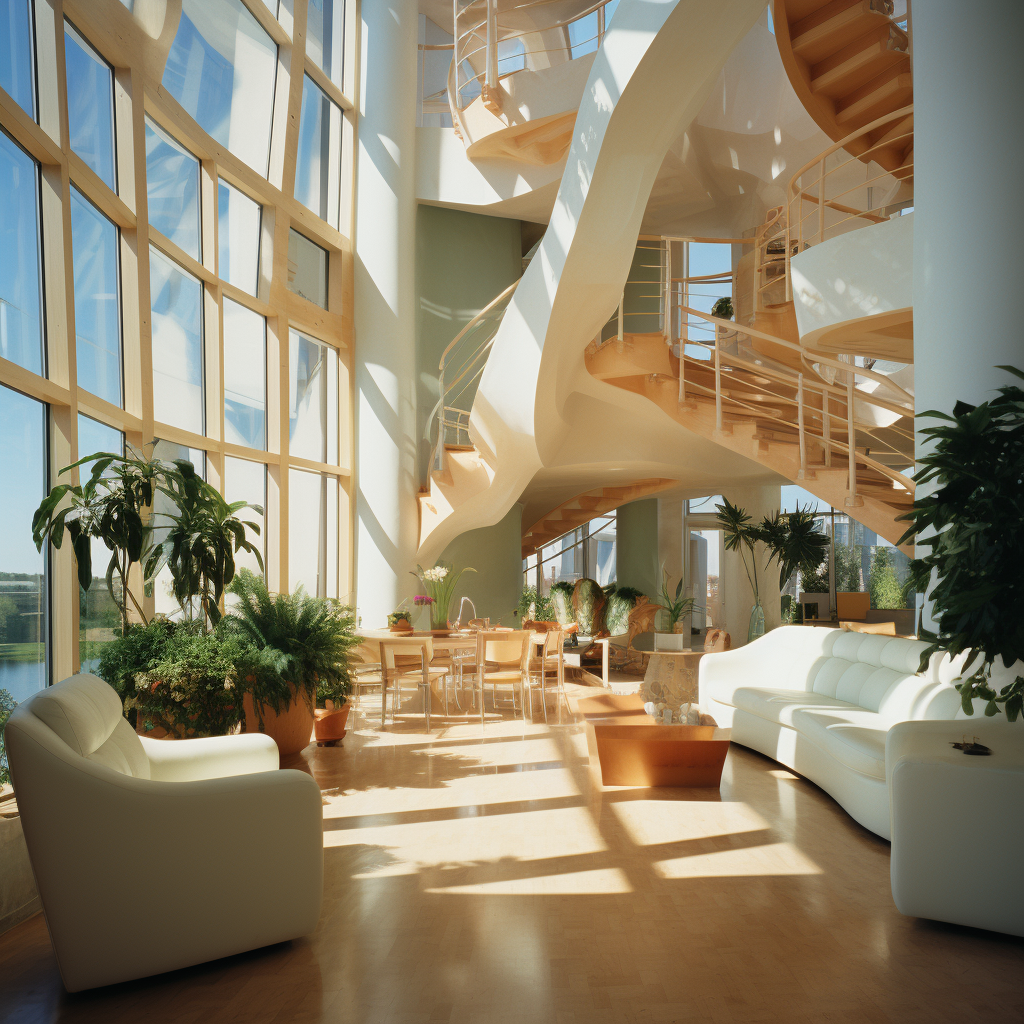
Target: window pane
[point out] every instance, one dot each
(331, 546)
(21, 324)
(245, 376)
(305, 530)
(90, 106)
(24, 599)
(172, 187)
(307, 268)
(98, 616)
(97, 317)
(318, 159)
(238, 231)
(247, 481)
(325, 37)
(177, 300)
(16, 76)
(164, 602)
(308, 393)
(221, 69)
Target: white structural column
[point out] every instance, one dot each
(968, 206)
(385, 325)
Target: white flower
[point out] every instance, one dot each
(436, 574)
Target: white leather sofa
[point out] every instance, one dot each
(822, 701)
(151, 855)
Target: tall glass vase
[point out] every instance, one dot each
(756, 628)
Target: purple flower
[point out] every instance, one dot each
(422, 599)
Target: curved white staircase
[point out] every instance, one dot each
(669, 49)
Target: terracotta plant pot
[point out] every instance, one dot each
(291, 730)
(401, 626)
(330, 725)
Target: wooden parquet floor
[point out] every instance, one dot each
(483, 878)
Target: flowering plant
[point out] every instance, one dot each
(439, 582)
(422, 599)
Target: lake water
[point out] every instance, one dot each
(22, 678)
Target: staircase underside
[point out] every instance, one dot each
(759, 422)
(584, 507)
(849, 64)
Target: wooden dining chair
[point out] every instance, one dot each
(548, 668)
(364, 662)
(405, 662)
(503, 659)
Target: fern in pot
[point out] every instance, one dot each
(300, 647)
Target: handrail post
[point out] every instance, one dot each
(455, 53)
(682, 372)
(600, 25)
(490, 90)
(826, 426)
(666, 295)
(800, 426)
(718, 379)
(789, 246)
(821, 200)
(622, 302)
(440, 423)
(851, 438)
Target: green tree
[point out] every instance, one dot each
(8, 619)
(884, 582)
(848, 575)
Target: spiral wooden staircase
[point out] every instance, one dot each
(849, 62)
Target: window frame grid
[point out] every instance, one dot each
(136, 95)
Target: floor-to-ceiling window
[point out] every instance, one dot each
(174, 267)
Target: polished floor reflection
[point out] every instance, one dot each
(480, 876)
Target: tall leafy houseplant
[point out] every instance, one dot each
(112, 506)
(202, 537)
(440, 582)
(969, 522)
(792, 540)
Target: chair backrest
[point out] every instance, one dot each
(406, 653)
(84, 714)
(367, 654)
(553, 640)
(504, 647)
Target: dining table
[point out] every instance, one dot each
(447, 646)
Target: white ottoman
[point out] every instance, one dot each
(958, 822)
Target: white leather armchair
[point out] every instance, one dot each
(152, 855)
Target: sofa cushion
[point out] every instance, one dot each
(779, 705)
(853, 736)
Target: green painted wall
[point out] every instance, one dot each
(636, 550)
(642, 301)
(496, 554)
(463, 260)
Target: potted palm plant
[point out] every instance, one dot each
(303, 645)
(969, 524)
(792, 539)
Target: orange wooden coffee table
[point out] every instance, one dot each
(629, 748)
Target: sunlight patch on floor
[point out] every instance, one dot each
(770, 859)
(597, 881)
(649, 822)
